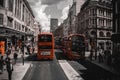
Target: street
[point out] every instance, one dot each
(56, 69)
(59, 40)
(46, 69)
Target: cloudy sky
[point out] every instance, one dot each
(46, 9)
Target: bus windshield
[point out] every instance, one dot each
(45, 38)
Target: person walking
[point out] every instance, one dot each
(101, 53)
(15, 57)
(33, 50)
(9, 50)
(109, 57)
(91, 55)
(9, 67)
(22, 56)
(1, 64)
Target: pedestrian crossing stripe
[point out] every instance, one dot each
(71, 73)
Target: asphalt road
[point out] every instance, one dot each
(45, 70)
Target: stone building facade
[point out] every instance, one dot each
(95, 21)
(16, 20)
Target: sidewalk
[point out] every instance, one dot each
(19, 68)
(18, 73)
(102, 65)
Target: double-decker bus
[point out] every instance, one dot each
(45, 46)
(74, 46)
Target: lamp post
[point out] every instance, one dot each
(23, 45)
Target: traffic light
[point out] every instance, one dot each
(115, 38)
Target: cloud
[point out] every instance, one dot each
(65, 13)
(40, 15)
(46, 9)
(50, 2)
(33, 2)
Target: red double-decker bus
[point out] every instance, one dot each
(74, 46)
(45, 46)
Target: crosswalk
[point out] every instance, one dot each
(70, 72)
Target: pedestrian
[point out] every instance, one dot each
(1, 64)
(101, 53)
(15, 57)
(95, 54)
(91, 54)
(109, 57)
(105, 54)
(33, 50)
(28, 49)
(22, 56)
(9, 49)
(9, 67)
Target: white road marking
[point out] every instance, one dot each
(69, 71)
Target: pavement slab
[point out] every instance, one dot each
(18, 73)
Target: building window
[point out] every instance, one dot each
(26, 29)
(101, 22)
(108, 45)
(93, 33)
(1, 3)
(108, 34)
(15, 25)
(101, 34)
(1, 19)
(23, 28)
(23, 13)
(108, 14)
(10, 22)
(108, 23)
(101, 44)
(101, 12)
(93, 21)
(10, 5)
(94, 12)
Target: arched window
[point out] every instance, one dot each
(93, 33)
(108, 34)
(101, 34)
(101, 44)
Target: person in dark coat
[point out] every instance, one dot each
(91, 54)
(28, 49)
(101, 54)
(1, 64)
(15, 57)
(9, 67)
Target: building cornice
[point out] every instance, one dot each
(28, 6)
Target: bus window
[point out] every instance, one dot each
(45, 38)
